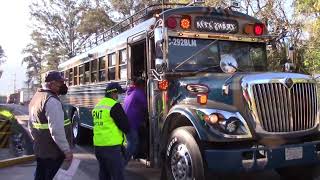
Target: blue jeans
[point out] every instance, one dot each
(111, 162)
(133, 142)
(47, 168)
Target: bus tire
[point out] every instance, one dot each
(78, 132)
(306, 172)
(183, 156)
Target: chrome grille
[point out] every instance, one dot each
(281, 109)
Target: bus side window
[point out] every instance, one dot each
(123, 65)
(102, 71)
(112, 66)
(75, 77)
(70, 78)
(81, 74)
(87, 73)
(94, 71)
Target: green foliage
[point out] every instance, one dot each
(61, 27)
(310, 10)
(2, 55)
(308, 7)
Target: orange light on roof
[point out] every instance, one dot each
(185, 22)
(254, 29)
(202, 99)
(248, 28)
(163, 85)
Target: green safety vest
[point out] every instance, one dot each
(105, 131)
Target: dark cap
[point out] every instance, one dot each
(114, 87)
(138, 81)
(54, 76)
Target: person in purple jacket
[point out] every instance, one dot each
(135, 106)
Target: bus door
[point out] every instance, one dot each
(137, 65)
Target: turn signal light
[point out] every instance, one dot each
(202, 99)
(185, 22)
(163, 85)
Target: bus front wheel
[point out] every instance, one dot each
(183, 156)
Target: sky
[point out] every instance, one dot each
(14, 36)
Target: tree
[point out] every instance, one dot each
(310, 11)
(34, 55)
(2, 55)
(61, 28)
(126, 8)
(58, 20)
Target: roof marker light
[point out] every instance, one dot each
(185, 22)
(171, 22)
(258, 29)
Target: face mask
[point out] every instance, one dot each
(63, 89)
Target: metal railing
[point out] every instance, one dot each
(125, 24)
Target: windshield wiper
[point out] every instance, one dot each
(236, 68)
(207, 68)
(199, 51)
(184, 61)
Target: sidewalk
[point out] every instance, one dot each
(26, 172)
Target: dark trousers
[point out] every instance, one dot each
(47, 168)
(111, 162)
(133, 143)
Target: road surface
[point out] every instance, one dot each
(134, 171)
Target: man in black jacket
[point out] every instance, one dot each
(110, 124)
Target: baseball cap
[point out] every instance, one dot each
(114, 87)
(54, 76)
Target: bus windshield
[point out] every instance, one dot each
(196, 54)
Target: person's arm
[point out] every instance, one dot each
(55, 116)
(120, 118)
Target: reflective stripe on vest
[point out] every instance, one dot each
(46, 126)
(105, 131)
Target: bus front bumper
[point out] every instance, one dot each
(261, 158)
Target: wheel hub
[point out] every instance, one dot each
(181, 164)
(75, 129)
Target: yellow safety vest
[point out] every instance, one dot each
(105, 131)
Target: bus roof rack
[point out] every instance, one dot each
(125, 25)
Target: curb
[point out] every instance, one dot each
(16, 161)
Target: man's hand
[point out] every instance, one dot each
(68, 155)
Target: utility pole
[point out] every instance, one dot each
(14, 83)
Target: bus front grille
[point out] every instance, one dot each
(283, 109)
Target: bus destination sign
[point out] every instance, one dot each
(211, 24)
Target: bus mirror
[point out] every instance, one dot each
(160, 65)
(159, 41)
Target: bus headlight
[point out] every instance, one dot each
(226, 124)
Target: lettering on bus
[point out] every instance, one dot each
(216, 25)
(182, 42)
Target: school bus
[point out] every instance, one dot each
(213, 104)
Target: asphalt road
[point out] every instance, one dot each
(135, 170)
